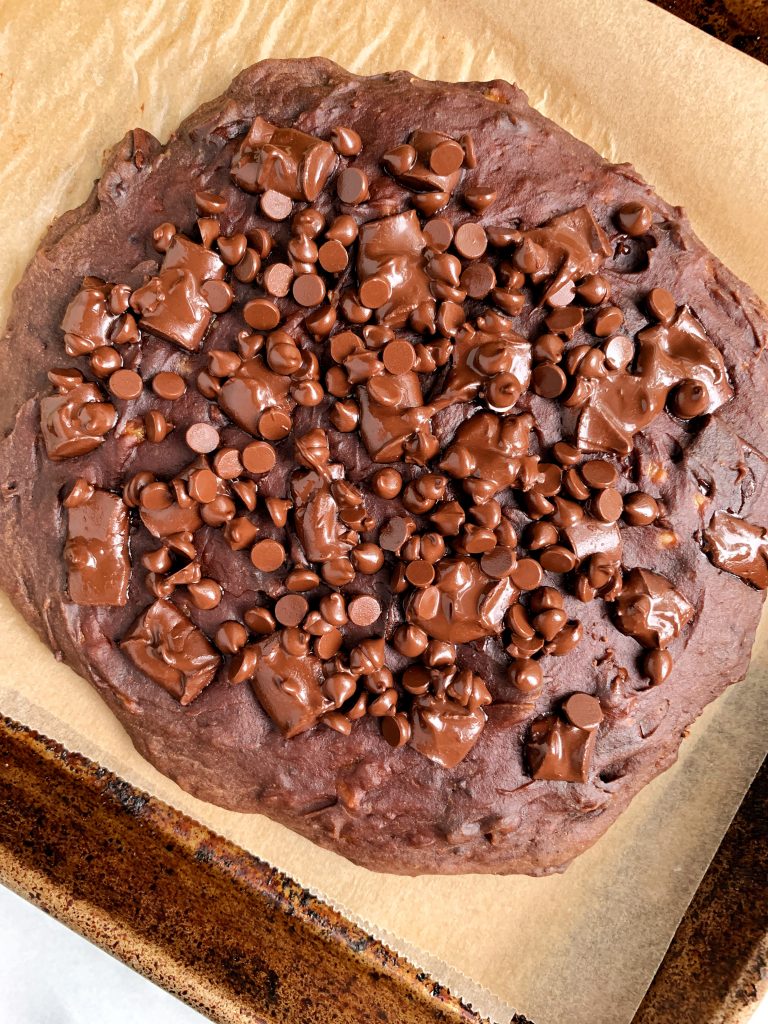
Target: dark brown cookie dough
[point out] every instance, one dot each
(392, 465)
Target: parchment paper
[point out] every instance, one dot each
(637, 84)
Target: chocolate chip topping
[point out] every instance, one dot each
(441, 414)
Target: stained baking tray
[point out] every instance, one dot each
(242, 942)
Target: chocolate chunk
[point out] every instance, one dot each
(283, 160)
(462, 604)
(75, 422)
(560, 751)
(287, 685)
(392, 250)
(650, 610)
(96, 550)
(166, 646)
(444, 731)
(738, 547)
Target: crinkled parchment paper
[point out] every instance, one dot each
(637, 84)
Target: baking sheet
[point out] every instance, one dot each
(637, 84)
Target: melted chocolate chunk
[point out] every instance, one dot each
(283, 160)
(287, 686)
(75, 422)
(444, 730)
(738, 547)
(462, 604)
(560, 747)
(650, 610)
(96, 550)
(172, 651)
(615, 406)
(172, 305)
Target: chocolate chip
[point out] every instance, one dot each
(583, 711)
(162, 236)
(258, 457)
(276, 280)
(657, 665)
(446, 158)
(399, 357)
(261, 314)
(267, 555)
(155, 497)
(275, 206)
(218, 295)
(352, 186)
(205, 594)
(337, 572)
(105, 361)
(168, 385)
(248, 267)
(479, 197)
(345, 415)
(470, 240)
(387, 483)
(619, 352)
(478, 280)
(202, 438)
(230, 637)
(499, 562)
(688, 400)
(557, 559)
(375, 292)
(607, 505)
(227, 463)
(599, 474)
(635, 219)
(400, 160)
(232, 247)
(396, 729)
(607, 321)
(420, 573)
(274, 425)
(527, 574)
(260, 621)
(548, 380)
(594, 289)
(309, 289)
(541, 535)
(291, 609)
(662, 305)
(343, 229)
(333, 257)
(125, 384)
(346, 141)
(439, 233)
(156, 426)
(210, 202)
(209, 229)
(640, 509)
(565, 321)
(526, 675)
(364, 610)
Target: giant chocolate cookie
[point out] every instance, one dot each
(393, 466)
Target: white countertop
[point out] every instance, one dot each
(50, 975)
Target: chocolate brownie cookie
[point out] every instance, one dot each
(392, 465)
